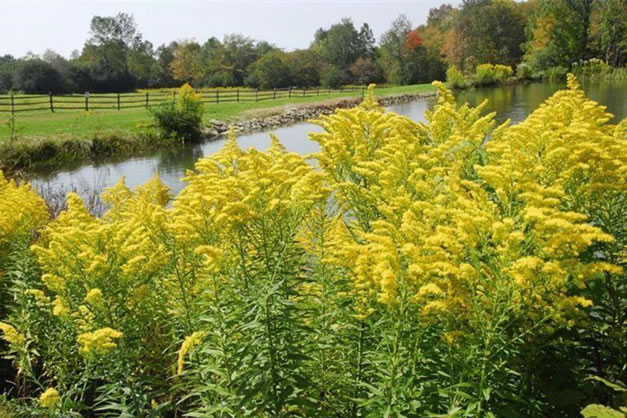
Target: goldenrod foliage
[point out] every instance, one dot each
(22, 211)
(416, 268)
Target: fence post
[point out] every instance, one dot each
(341, 88)
(328, 90)
(362, 91)
(290, 93)
(146, 100)
(274, 94)
(12, 105)
(304, 90)
(51, 105)
(118, 101)
(86, 101)
(238, 95)
(318, 91)
(256, 94)
(217, 96)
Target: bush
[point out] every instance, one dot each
(400, 274)
(502, 73)
(485, 75)
(557, 73)
(597, 68)
(455, 79)
(524, 71)
(182, 117)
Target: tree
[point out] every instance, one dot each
(305, 67)
(161, 73)
(271, 71)
(342, 44)
(238, 55)
(63, 67)
(608, 31)
(442, 17)
(106, 51)
(263, 47)
(111, 29)
(488, 31)
(367, 42)
(365, 71)
(332, 76)
(413, 40)
(434, 35)
(37, 76)
(559, 33)
(140, 62)
(393, 51)
(186, 63)
(7, 68)
(212, 52)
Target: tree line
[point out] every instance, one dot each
(532, 36)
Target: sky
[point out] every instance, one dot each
(63, 25)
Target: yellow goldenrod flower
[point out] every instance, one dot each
(94, 297)
(21, 210)
(60, 307)
(188, 345)
(11, 335)
(50, 398)
(98, 342)
(40, 297)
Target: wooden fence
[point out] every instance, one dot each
(15, 103)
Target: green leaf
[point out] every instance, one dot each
(617, 387)
(600, 411)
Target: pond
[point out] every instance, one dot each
(509, 102)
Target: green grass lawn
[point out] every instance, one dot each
(85, 124)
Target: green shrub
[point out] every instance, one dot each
(524, 71)
(556, 73)
(597, 68)
(485, 74)
(502, 73)
(180, 118)
(455, 78)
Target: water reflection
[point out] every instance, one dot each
(509, 102)
(171, 163)
(518, 101)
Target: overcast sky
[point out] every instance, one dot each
(63, 25)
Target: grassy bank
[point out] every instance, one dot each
(86, 124)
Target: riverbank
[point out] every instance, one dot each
(274, 118)
(92, 140)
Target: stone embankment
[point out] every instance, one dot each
(287, 116)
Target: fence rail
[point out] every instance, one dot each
(16, 103)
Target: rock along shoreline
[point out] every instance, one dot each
(294, 114)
